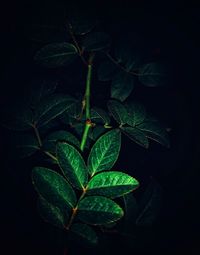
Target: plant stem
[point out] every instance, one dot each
(37, 135)
(88, 122)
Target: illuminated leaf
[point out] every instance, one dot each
(84, 232)
(118, 111)
(52, 214)
(136, 113)
(111, 184)
(136, 135)
(104, 152)
(56, 54)
(122, 86)
(96, 41)
(53, 187)
(72, 165)
(51, 107)
(155, 131)
(50, 141)
(98, 210)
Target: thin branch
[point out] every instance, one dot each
(80, 51)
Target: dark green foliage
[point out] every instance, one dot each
(57, 54)
(81, 188)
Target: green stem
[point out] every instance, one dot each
(88, 123)
(87, 92)
(85, 135)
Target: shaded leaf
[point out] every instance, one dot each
(72, 165)
(52, 214)
(111, 184)
(53, 187)
(56, 54)
(131, 210)
(51, 107)
(136, 113)
(104, 152)
(96, 41)
(122, 86)
(96, 132)
(85, 232)
(50, 141)
(150, 204)
(153, 74)
(154, 131)
(118, 111)
(107, 70)
(136, 135)
(98, 115)
(98, 210)
(26, 145)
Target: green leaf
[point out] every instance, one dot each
(150, 204)
(153, 74)
(96, 41)
(107, 70)
(118, 111)
(53, 187)
(72, 165)
(52, 214)
(51, 107)
(136, 135)
(26, 145)
(84, 232)
(122, 86)
(98, 210)
(155, 131)
(98, 115)
(136, 113)
(111, 184)
(50, 141)
(104, 152)
(56, 54)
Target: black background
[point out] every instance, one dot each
(172, 32)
